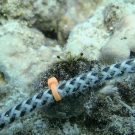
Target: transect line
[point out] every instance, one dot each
(81, 83)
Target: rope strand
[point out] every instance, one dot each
(80, 83)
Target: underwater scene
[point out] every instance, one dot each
(67, 67)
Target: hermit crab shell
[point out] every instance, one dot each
(65, 70)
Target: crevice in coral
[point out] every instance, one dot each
(50, 34)
(2, 78)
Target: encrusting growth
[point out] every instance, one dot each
(79, 84)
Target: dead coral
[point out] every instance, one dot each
(111, 16)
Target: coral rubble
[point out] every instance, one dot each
(32, 35)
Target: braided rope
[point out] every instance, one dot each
(78, 84)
